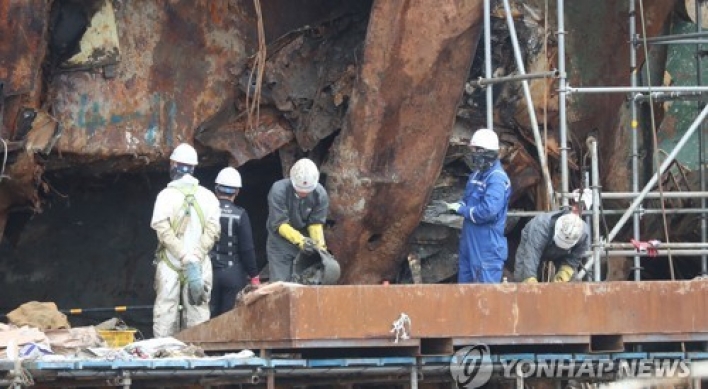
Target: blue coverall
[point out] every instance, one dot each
(483, 246)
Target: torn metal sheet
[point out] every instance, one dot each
(22, 55)
(310, 77)
(174, 74)
(244, 143)
(393, 142)
(494, 314)
(99, 45)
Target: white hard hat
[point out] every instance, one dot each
(185, 154)
(486, 139)
(568, 230)
(304, 175)
(229, 177)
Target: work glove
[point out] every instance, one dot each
(195, 282)
(308, 246)
(256, 281)
(316, 232)
(441, 207)
(453, 207)
(530, 280)
(564, 274)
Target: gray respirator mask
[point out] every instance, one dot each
(482, 159)
(178, 170)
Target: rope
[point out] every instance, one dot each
(655, 138)
(545, 93)
(399, 327)
(656, 146)
(259, 68)
(4, 159)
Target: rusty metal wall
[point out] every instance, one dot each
(23, 25)
(179, 64)
(397, 129)
(174, 71)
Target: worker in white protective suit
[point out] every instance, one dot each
(186, 219)
(297, 212)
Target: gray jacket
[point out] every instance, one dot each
(285, 207)
(537, 245)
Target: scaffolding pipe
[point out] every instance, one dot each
(634, 127)
(595, 208)
(414, 377)
(529, 104)
(588, 213)
(682, 42)
(701, 137)
(562, 97)
(672, 38)
(665, 165)
(629, 253)
(634, 89)
(663, 245)
(670, 211)
(653, 195)
(488, 62)
(481, 82)
(668, 96)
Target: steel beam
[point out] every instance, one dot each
(502, 312)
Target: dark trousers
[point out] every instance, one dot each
(228, 281)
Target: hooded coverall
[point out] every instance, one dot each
(196, 242)
(537, 245)
(483, 246)
(233, 257)
(284, 206)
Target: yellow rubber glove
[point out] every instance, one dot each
(531, 280)
(564, 274)
(292, 235)
(317, 234)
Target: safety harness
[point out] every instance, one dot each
(179, 225)
(227, 246)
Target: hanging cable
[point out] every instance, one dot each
(655, 138)
(253, 107)
(545, 89)
(4, 159)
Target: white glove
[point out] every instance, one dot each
(453, 207)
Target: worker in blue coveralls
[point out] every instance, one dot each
(483, 246)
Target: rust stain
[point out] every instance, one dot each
(23, 24)
(175, 72)
(395, 135)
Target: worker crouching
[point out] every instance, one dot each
(561, 237)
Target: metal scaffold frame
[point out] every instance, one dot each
(637, 95)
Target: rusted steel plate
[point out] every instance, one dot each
(504, 313)
(23, 25)
(244, 143)
(174, 72)
(394, 137)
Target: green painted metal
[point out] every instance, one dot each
(681, 66)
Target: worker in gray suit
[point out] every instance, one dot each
(297, 211)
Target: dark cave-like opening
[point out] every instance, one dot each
(92, 245)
